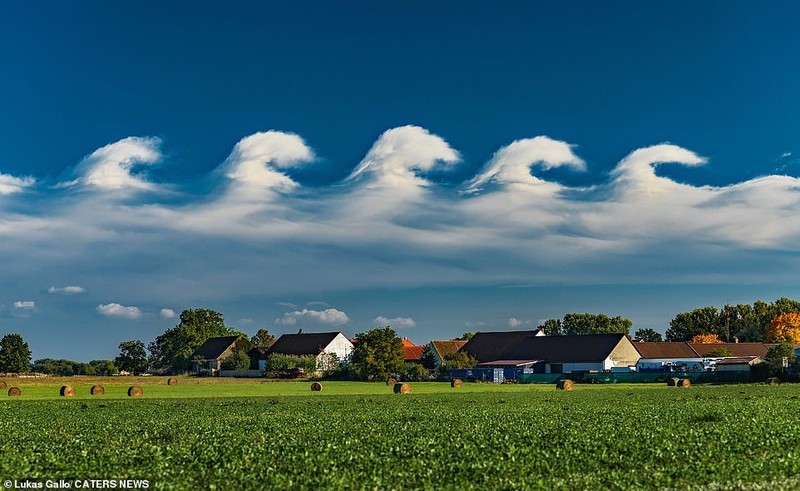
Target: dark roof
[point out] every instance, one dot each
(739, 360)
(566, 349)
(489, 346)
(738, 349)
(445, 348)
(680, 349)
(257, 353)
(311, 343)
(213, 348)
(508, 363)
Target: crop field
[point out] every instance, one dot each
(361, 436)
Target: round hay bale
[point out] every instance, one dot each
(402, 388)
(673, 382)
(685, 383)
(391, 381)
(3, 384)
(135, 391)
(14, 392)
(316, 387)
(172, 381)
(67, 391)
(773, 381)
(456, 383)
(97, 390)
(565, 384)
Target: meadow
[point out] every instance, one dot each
(222, 434)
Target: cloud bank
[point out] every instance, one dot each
(327, 317)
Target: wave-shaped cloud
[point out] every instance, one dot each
(12, 185)
(388, 225)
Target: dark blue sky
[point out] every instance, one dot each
(719, 79)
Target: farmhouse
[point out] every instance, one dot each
(441, 349)
(321, 345)
(738, 363)
(552, 354)
(412, 353)
(207, 359)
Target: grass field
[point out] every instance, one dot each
(225, 434)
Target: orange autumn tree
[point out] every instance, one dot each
(706, 339)
(784, 329)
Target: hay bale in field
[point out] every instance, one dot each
(773, 381)
(565, 384)
(402, 388)
(391, 381)
(316, 387)
(673, 382)
(135, 391)
(67, 391)
(456, 383)
(97, 390)
(3, 384)
(685, 383)
(172, 381)
(14, 392)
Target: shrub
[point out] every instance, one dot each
(237, 361)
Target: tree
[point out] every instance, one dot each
(262, 339)
(784, 328)
(551, 327)
(706, 339)
(779, 358)
(429, 357)
(15, 355)
(686, 325)
(132, 357)
(459, 359)
(647, 334)
(237, 361)
(465, 337)
(103, 367)
(414, 372)
(594, 324)
(378, 352)
(171, 351)
(719, 352)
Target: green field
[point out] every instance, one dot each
(257, 435)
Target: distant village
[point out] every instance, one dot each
(703, 345)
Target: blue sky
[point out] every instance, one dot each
(443, 168)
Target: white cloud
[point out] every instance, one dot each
(328, 317)
(167, 313)
(395, 322)
(25, 305)
(110, 167)
(257, 160)
(11, 184)
(66, 290)
(117, 310)
(512, 164)
(514, 322)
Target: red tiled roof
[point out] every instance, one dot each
(738, 349)
(407, 343)
(680, 349)
(413, 353)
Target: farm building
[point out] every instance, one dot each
(441, 349)
(207, 359)
(531, 353)
(738, 363)
(412, 353)
(320, 345)
(691, 357)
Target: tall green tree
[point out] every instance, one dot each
(171, 351)
(466, 336)
(262, 339)
(686, 325)
(429, 357)
(15, 355)
(132, 357)
(594, 324)
(551, 327)
(647, 334)
(378, 352)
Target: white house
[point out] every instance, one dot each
(327, 347)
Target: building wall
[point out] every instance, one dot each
(575, 367)
(623, 355)
(340, 346)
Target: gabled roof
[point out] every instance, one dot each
(312, 343)
(566, 349)
(444, 348)
(740, 360)
(738, 349)
(413, 353)
(407, 343)
(680, 349)
(489, 346)
(213, 348)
